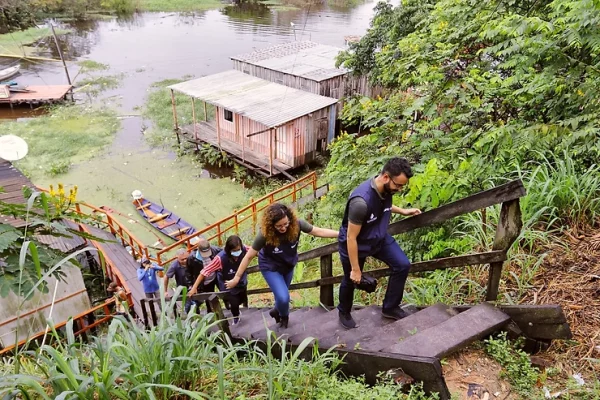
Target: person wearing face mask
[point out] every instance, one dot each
(277, 248)
(203, 254)
(225, 265)
(364, 234)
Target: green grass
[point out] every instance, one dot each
(21, 42)
(158, 109)
(178, 5)
(67, 135)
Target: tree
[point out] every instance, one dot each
(483, 87)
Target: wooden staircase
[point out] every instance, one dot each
(431, 333)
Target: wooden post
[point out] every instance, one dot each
(195, 124)
(235, 218)
(509, 226)
(254, 216)
(326, 295)
(205, 112)
(175, 115)
(220, 316)
(271, 151)
(237, 133)
(145, 313)
(218, 127)
(60, 54)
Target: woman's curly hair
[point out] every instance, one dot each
(272, 214)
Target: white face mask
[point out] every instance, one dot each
(236, 253)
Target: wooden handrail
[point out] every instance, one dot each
(509, 191)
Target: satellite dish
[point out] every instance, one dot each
(12, 148)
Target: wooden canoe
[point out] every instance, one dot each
(8, 72)
(163, 220)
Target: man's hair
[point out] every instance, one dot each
(397, 166)
(181, 252)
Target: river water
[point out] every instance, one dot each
(150, 47)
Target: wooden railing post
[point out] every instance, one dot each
(509, 227)
(219, 315)
(235, 218)
(326, 295)
(254, 216)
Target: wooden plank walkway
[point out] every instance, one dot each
(44, 94)
(415, 343)
(207, 133)
(119, 258)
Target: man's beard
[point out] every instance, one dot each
(388, 189)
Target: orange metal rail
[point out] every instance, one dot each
(225, 226)
(80, 319)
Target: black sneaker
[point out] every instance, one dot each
(346, 320)
(284, 322)
(275, 314)
(394, 313)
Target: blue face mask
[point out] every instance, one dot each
(236, 253)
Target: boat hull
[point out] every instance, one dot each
(163, 220)
(8, 72)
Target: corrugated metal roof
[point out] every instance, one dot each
(64, 244)
(268, 103)
(12, 182)
(309, 60)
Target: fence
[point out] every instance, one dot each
(82, 323)
(244, 218)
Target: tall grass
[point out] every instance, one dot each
(180, 358)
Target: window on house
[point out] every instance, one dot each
(228, 115)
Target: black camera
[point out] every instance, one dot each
(367, 283)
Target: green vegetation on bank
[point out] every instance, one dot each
(159, 109)
(68, 134)
(178, 5)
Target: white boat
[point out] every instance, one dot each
(8, 72)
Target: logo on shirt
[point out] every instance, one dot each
(294, 245)
(231, 271)
(371, 218)
(276, 250)
(387, 209)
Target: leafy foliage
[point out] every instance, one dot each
(494, 83)
(516, 363)
(183, 358)
(23, 258)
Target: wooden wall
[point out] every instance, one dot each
(294, 143)
(336, 87)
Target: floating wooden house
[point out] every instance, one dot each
(305, 66)
(264, 125)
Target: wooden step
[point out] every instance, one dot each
(320, 326)
(299, 320)
(158, 217)
(250, 323)
(452, 334)
(375, 332)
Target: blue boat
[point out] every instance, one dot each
(162, 219)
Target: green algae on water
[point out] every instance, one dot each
(179, 184)
(69, 134)
(158, 109)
